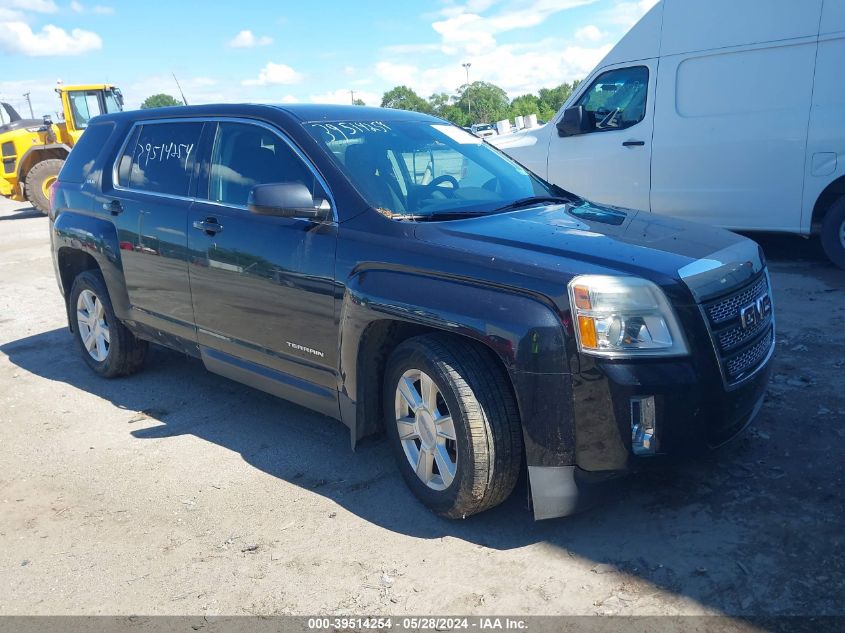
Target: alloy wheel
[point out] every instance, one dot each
(426, 429)
(92, 324)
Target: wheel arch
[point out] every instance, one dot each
(524, 334)
(82, 242)
(39, 153)
(827, 198)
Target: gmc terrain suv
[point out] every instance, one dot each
(399, 274)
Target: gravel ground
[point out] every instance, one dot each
(179, 492)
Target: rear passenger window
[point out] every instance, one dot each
(159, 158)
(80, 163)
(246, 155)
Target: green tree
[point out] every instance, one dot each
(524, 105)
(484, 102)
(403, 98)
(359, 102)
(444, 105)
(160, 100)
(551, 99)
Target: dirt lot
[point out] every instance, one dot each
(178, 492)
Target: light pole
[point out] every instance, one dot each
(29, 103)
(469, 101)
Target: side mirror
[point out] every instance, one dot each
(287, 200)
(576, 120)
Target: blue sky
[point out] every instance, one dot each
(300, 51)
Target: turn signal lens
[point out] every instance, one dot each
(587, 330)
(581, 295)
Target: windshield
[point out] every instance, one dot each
(419, 169)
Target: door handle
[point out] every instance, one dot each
(114, 207)
(633, 143)
(209, 226)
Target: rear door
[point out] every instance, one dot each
(263, 287)
(149, 200)
(610, 163)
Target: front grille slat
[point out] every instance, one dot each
(740, 350)
(725, 309)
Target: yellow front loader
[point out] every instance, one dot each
(34, 150)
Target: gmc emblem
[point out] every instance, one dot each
(756, 312)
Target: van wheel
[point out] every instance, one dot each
(833, 233)
(453, 424)
(108, 347)
(39, 180)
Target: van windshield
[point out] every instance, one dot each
(420, 170)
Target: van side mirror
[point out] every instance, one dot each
(287, 200)
(576, 120)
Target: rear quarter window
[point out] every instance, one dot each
(159, 158)
(85, 155)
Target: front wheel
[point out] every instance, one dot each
(833, 233)
(39, 180)
(107, 346)
(453, 424)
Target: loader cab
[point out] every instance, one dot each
(80, 104)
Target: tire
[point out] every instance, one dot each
(38, 182)
(833, 233)
(124, 353)
(486, 433)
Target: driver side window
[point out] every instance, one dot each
(616, 99)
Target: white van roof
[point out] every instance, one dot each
(681, 26)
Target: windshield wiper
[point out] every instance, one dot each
(531, 200)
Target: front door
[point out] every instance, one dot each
(611, 163)
(263, 287)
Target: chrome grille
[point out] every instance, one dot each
(728, 308)
(738, 366)
(740, 350)
(734, 336)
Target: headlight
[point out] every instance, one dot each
(620, 317)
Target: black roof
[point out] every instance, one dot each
(300, 111)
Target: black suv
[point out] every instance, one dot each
(397, 273)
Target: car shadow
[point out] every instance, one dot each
(730, 532)
(787, 247)
(23, 214)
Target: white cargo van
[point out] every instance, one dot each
(726, 112)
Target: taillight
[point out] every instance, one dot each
(51, 197)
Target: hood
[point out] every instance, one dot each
(589, 238)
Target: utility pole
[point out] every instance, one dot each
(352, 95)
(469, 101)
(29, 103)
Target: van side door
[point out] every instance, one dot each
(149, 201)
(263, 286)
(730, 134)
(610, 162)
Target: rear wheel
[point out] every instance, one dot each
(453, 424)
(39, 180)
(833, 233)
(108, 347)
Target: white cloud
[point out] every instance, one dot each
(274, 74)
(343, 97)
(464, 30)
(627, 12)
(396, 73)
(100, 9)
(247, 39)
(288, 99)
(589, 33)
(19, 38)
(36, 6)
